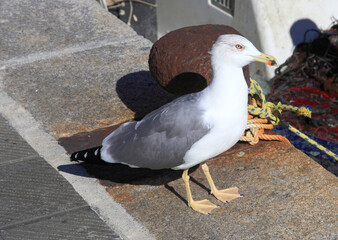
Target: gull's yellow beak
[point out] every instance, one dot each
(264, 58)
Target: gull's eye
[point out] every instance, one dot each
(239, 46)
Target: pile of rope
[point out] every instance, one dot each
(310, 77)
(265, 115)
(255, 128)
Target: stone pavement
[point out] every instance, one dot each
(36, 201)
(67, 67)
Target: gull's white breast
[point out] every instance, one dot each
(227, 119)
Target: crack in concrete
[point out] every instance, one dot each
(22, 60)
(22, 159)
(42, 217)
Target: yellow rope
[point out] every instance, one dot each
(305, 111)
(306, 138)
(273, 111)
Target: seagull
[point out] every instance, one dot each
(193, 128)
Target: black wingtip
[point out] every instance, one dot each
(89, 155)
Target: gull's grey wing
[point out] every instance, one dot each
(160, 139)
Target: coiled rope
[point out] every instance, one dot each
(270, 112)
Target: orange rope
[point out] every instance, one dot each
(255, 129)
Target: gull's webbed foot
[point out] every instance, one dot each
(226, 195)
(202, 206)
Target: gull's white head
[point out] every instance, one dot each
(237, 51)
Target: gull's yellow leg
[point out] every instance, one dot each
(203, 206)
(224, 195)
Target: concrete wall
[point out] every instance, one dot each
(273, 26)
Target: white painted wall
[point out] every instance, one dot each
(266, 23)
